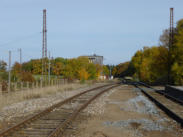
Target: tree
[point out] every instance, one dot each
(105, 70)
(91, 69)
(114, 71)
(17, 68)
(136, 63)
(37, 66)
(98, 70)
(68, 72)
(57, 68)
(27, 77)
(2, 65)
(27, 66)
(177, 55)
(75, 68)
(16, 71)
(164, 38)
(150, 64)
(83, 74)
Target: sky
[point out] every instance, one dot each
(115, 29)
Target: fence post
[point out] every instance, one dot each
(32, 85)
(27, 85)
(65, 81)
(1, 87)
(22, 85)
(36, 84)
(15, 86)
(46, 83)
(52, 82)
(41, 84)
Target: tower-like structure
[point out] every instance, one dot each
(44, 35)
(171, 40)
(171, 28)
(44, 42)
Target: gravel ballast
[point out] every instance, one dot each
(25, 108)
(125, 111)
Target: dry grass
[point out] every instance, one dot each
(31, 96)
(15, 97)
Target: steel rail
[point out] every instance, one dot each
(44, 112)
(61, 128)
(169, 112)
(162, 93)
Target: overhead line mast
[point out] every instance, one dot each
(171, 37)
(44, 45)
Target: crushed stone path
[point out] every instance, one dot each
(126, 112)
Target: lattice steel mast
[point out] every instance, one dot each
(171, 37)
(44, 44)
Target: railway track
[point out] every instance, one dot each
(162, 92)
(167, 103)
(58, 118)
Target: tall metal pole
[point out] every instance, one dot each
(49, 69)
(171, 37)
(42, 50)
(44, 45)
(171, 27)
(45, 33)
(45, 42)
(20, 52)
(9, 73)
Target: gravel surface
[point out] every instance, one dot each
(30, 106)
(97, 106)
(145, 124)
(125, 111)
(147, 107)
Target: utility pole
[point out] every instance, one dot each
(49, 69)
(110, 70)
(171, 37)
(20, 52)
(44, 45)
(9, 73)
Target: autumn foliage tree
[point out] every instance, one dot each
(27, 77)
(151, 63)
(3, 66)
(83, 74)
(75, 68)
(177, 55)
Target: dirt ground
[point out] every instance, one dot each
(125, 112)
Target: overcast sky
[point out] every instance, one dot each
(115, 29)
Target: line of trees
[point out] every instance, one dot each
(76, 68)
(151, 63)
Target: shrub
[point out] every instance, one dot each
(27, 77)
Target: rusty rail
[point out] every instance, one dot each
(162, 92)
(169, 112)
(61, 128)
(42, 113)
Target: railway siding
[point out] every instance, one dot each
(125, 111)
(57, 115)
(168, 104)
